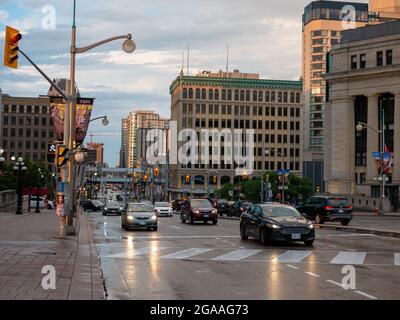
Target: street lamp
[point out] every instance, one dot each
(19, 168)
(105, 122)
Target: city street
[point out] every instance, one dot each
(182, 261)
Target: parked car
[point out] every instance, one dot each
(222, 206)
(92, 205)
(198, 210)
(177, 205)
(239, 207)
(42, 203)
(323, 208)
(139, 215)
(276, 222)
(113, 207)
(163, 209)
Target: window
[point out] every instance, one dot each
(389, 57)
(44, 121)
(203, 94)
(216, 94)
(223, 94)
(379, 58)
(13, 109)
(267, 96)
(6, 108)
(229, 94)
(190, 93)
(29, 109)
(185, 93)
(21, 109)
(298, 97)
(273, 96)
(210, 94)
(5, 120)
(363, 61)
(292, 97)
(353, 62)
(5, 132)
(44, 110)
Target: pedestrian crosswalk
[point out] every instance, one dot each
(259, 255)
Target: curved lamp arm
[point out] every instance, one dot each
(94, 45)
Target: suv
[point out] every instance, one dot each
(324, 208)
(198, 210)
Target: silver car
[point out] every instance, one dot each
(162, 209)
(139, 215)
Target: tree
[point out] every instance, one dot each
(251, 190)
(224, 192)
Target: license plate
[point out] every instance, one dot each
(296, 236)
(206, 216)
(142, 223)
(341, 211)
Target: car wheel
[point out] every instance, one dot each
(318, 219)
(345, 222)
(309, 243)
(263, 238)
(215, 221)
(190, 219)
(243, 234)
(183, 220)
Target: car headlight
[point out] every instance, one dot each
(311, 226)
(105, 208)
(273, 226)
(153, 218)
(196, 211)
(214, 211)
(121, 209)
(131, 218)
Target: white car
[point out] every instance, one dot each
(163, 209)
(42, 205)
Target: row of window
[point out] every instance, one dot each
(241, 95)
(12, 120)
(12, 132)
(25, 109)
(28, 155)
(241, 124)
(360, 61)
(240, 110)
(20, 145)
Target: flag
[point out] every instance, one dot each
(387, 161)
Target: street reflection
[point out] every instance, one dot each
(273, 281)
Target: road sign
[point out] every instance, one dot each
(62, 156)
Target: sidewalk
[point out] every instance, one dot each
(30, 241)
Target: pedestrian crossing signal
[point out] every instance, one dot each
(11, 48)
(62, 156)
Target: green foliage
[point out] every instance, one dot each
(223, 193)
(251, 190)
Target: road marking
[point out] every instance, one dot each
(186, 253)
(349, 258)
(175, 227)
(351, 250)
(292, 256)
(134, 252)
(238, 255)
(293, 267)
(397, 259)
(183, 237)
(366, 295)
(335, 283)
(312, 274)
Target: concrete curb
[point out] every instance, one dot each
(385, 233)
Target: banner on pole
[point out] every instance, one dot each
(60, 211)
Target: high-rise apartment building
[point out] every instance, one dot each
(136, 120)
(235, 100)
(99, 149)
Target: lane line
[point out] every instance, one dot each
(186, 253)
(292, 256)
(335, 283)
(352, 258)
(293, 267)
(175, 227)
(312, 274)
(397, 259)
(184, 237)
(237, 255)
(366, 295)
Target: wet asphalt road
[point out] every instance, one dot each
(182, 261)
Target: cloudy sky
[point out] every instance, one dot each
(264, 37)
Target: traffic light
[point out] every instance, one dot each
(187, 179)
(156, 171)
(12, 38)
(62, 156)
(318, 189)
(145, 178)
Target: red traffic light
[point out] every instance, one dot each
(15, 38)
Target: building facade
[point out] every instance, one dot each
(235, 100)
(99, 149)
(364, 80)
(26, 128)
(123, 154)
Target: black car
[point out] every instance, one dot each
(239, 207)
(222, 206)
(323, 208)
(92, 205)
(113, 207)
(276, 222)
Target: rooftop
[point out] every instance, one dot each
(371, 32)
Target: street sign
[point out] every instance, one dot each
(62, 156)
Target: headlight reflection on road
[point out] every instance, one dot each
(273, 281)
(154, 260)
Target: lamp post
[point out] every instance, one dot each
(105, 122)
(41, 176)
(382, 176)
(19, 168)
(69, 125)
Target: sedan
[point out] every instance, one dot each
(113, 207)
(139, 215)
(92, 205)
(199, 210)
(162, 209)
(276, 222)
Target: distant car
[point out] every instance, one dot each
(198, 210)
(113, 207)
(323, 208)
(177, 205)
(162, 209)
(239, 207)
(92, 205)
(222, 206)
(42, 203)
(276, 222)
(139, 215)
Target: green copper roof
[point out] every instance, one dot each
(237, 83)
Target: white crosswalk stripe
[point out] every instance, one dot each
(136, 252)
(344, 257)
(237, 255)
(186, 253)
(292, 256)
(397, 259)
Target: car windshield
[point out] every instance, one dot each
(96, 202)
(200, 203)
(338, 202)
(161, 204)
(112, 203)
(279, 211)
(140, 207)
